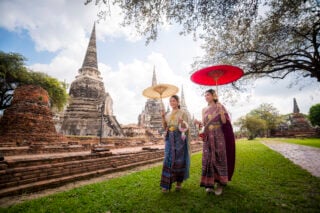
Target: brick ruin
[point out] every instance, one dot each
(25, 175)
(37, 158)
(28, 121)
(33, 156)
(297, 125)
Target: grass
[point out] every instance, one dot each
(314, 142)
(264, 181)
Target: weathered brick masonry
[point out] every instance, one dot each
(28, 121)
(19, 176)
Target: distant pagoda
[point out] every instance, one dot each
(150, 116)
(89, 104)
(297, 125)
(183, 106)
(298, 122)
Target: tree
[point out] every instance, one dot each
(285, 42)
(11, 68)
(314, 115)
(269, 114)
(13, 73)
(265, 38)
(260, 121)
(252, 125)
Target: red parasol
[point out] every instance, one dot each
(217, 75)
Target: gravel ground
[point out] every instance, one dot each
(305, 156)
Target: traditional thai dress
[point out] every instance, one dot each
(176, 161)
(218, 149)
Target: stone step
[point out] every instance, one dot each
(26, 150)
(39, 172)
(22, 175)
(15, 176)
(39, 185)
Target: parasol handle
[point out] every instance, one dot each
(216, 74)
(216, 80)
(162, 105)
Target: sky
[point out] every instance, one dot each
(53, 35)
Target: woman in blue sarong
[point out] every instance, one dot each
(177, 149)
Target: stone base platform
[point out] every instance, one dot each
(75, 144)
(30, 173)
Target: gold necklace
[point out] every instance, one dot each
(173, 117)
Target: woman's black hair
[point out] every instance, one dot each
(177, 99)
(211, 91)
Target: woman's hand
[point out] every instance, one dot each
(221, 112)
(197, 122)
(220, 109)
(163, 114)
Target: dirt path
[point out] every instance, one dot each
(305, 156)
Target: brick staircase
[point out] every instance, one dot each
(27, 174)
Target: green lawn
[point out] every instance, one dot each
(264, 181)
(314, 142)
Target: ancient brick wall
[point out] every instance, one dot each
(28, 121)
(27, 175)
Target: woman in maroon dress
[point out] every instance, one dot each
(218, 145)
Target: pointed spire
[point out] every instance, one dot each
(295, 106)
(168, 109)
(90, 60)
(182, 93)
(154, 77)
(182, 102)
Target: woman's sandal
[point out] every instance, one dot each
(209, 190)
(218, 190)
(164, 190)
(178, 188)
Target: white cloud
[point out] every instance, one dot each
(64, 27)
(55, 25)
(127, 83)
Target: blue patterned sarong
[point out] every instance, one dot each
(176, 160)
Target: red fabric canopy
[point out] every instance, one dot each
(217, 75)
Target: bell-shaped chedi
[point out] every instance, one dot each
(90, 107)
(28, 121)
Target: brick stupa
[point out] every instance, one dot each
(90, 106)
(28, 121)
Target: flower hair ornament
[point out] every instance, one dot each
(183, 130)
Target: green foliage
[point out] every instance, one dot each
(14, 73)
(260, 121)
(56, 89)
(252, 126)
(264, 181)
(269, 114)
(314, 115)
(11, 70)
